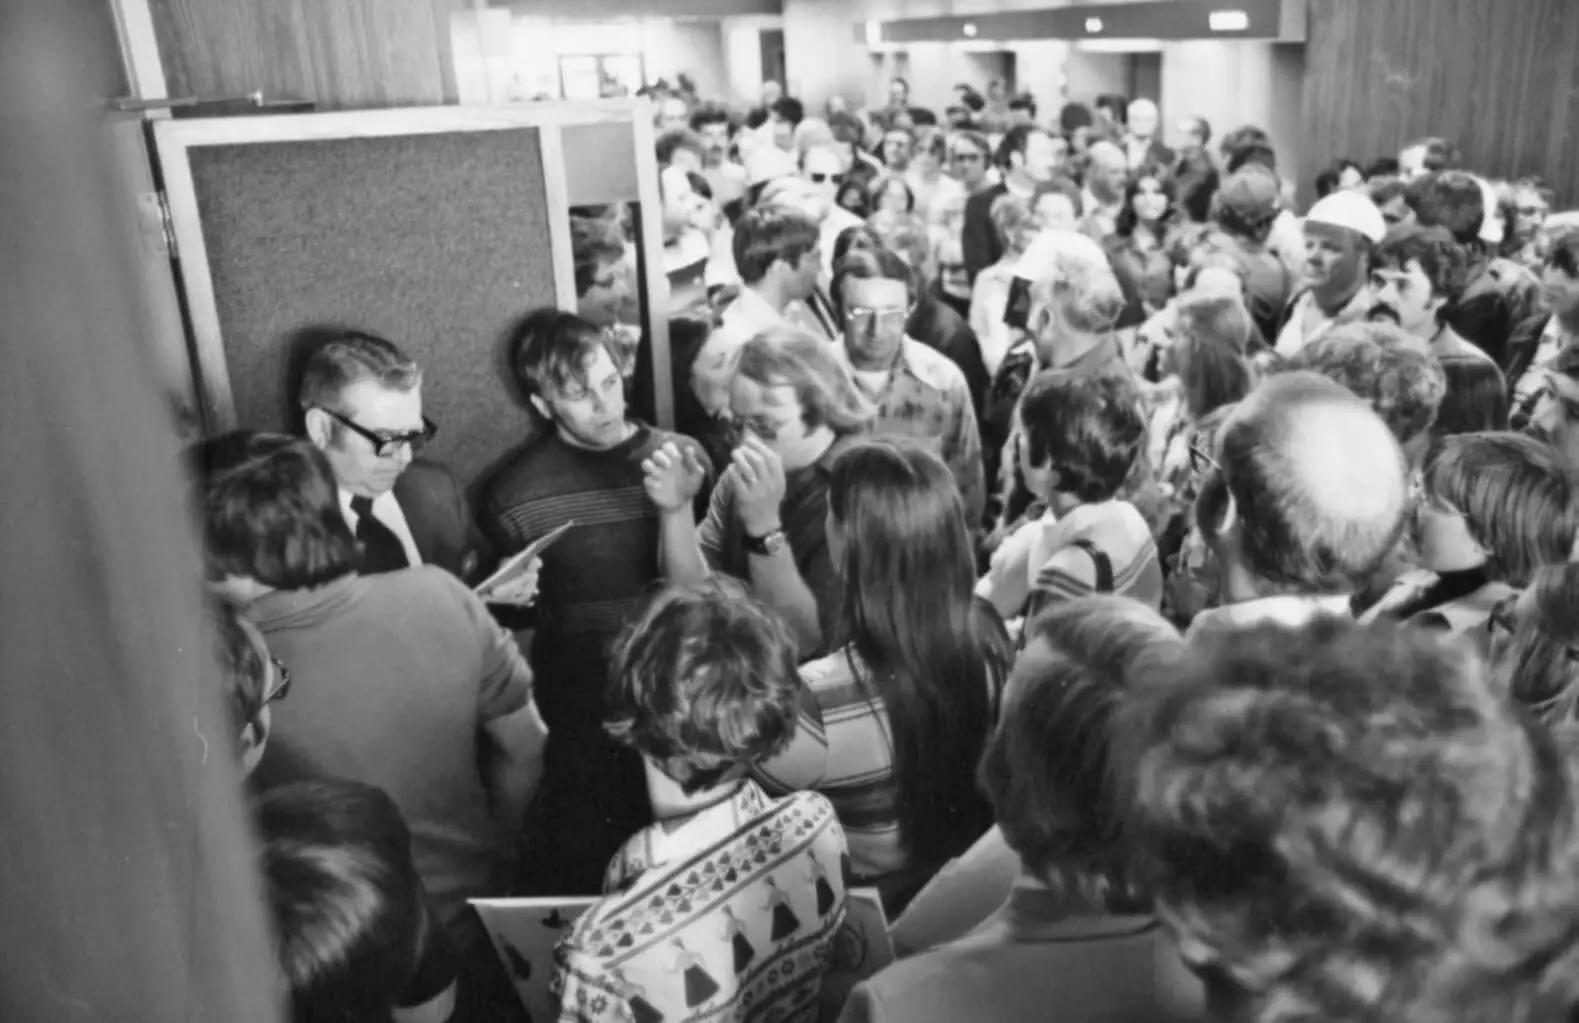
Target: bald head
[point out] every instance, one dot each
(1106, 155)
(1143, 118)
(1317, 483)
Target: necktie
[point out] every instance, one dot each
(382, 550)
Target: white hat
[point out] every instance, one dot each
(1054, 251)
(1350, 210)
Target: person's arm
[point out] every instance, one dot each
(759, 487)
(672, 476)
(512, 729)
(962, 444)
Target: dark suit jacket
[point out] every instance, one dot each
(936, 325)
(1522, 346)
(978, 238)
(440, 520)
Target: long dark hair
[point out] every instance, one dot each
(926, 646)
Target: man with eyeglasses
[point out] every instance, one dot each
(362, 399)
(918, 391)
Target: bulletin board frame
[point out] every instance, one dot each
(563, 156)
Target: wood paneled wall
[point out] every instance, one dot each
(1500, 77)
(337, 53)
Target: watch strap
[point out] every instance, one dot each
(766, 544)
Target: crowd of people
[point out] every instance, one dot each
(1162, 599)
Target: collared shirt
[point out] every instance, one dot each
(744, 318)
(1534, 378)
(927, 398)
(988, 303)
(386, 510)
(1295, 335)
(728, 914)
(1293, 610)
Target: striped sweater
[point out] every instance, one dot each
(1065, 563)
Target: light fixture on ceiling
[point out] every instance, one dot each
(1093, 24)
(874, 34)
(969, 29)
(1228, 21)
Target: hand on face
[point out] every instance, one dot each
(759, 485)
(672, 477)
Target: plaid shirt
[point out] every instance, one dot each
(928, 398)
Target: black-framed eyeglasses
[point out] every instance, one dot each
(384, 444)
(823, 179)
(282, 682)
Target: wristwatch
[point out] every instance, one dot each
(765, 546)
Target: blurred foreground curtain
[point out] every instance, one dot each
(127, 890)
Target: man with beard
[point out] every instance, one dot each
(724, 176)
(1341, 233)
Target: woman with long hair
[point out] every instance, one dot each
(1142, 246)
(900, 710)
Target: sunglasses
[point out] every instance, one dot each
(384, 444)
(823, 179)
(282, 685)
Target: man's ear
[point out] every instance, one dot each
(253, 738)
(542, 407)
(320, 427)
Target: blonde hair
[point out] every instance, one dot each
(824, 386)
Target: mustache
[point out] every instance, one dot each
(1383, 311)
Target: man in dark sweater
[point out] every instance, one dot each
(584, 466)
(1028, 156)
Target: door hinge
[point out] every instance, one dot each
(158, 230)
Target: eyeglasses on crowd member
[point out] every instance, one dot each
(1077, 928)
(909, 691)
(1491, 510)
(1535, 646)
(361, 397)
(793, 405)
(1306, 497)
(918, 391)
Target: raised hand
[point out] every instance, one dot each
(759, 485)
(673, 476)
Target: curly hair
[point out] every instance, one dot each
(1353, 823)
(704, 683)
(1384, 366)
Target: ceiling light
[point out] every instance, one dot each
(1093, 24)
(970, 30)
(1228, 21)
